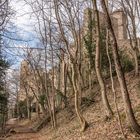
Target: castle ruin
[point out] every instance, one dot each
(119, 24)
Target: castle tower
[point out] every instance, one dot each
(121, 29)
(24, 65)
(24, 70)
(88, 16)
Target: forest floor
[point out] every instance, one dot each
(99, 129)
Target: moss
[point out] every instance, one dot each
(127, 63)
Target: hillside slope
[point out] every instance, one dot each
(99, 128)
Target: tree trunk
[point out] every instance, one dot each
(70, 79)
(27, 101)
(65, 79)
(82, 120)
(136, 63)
(112, 84)
(120, 75)
(28, 108)
(106, 105)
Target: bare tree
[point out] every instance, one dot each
(76, 54)
(97, 62)
(120, 74)
(130, 9)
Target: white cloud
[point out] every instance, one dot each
(22, 17)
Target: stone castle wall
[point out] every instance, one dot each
(118, 20)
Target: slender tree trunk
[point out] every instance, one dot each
(53, 74)
(120, 75)
(70, 79)
(27, 102)
(82, 120)
(28, 108)
(89, 77)
(107, 108)
(135, 46)
(80, 84)
(17, 102)
(136, 63)
(112, 84)
(65, 79)
(72, 57)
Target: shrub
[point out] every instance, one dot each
(22, 109)
(126, 62)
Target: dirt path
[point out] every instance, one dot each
(17, 131)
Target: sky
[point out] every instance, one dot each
(22, 19)
(21, 30)
(24, 25)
